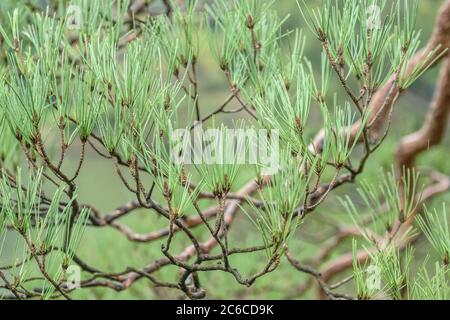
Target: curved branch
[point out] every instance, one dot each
(440, 42)
(434, 128)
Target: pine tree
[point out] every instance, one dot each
(123, 82)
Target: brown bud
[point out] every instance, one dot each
(166, 190)
(298, 123)
(250, 22)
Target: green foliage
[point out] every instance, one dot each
(435, 287)
(435, 227)
(280, 216)
(393, 271)
(386, 203)
(118, 85)
(393, 265)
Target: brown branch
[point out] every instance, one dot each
(345, 261)
(319, 277)
(440, 42)
(434, 128)
(206, 247)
